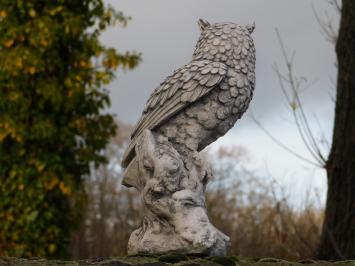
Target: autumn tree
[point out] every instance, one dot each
(52, 72)
(338, 237)
(112, 211)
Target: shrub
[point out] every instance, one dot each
(52, 69)
(252, 210)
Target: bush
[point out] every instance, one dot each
(51, 127)
(250, 209)
(255, 212)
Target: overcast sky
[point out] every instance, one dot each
(165, 32)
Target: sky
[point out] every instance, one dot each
(166, 31)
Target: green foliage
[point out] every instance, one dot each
(52, 69)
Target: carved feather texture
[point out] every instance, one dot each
(223, 62)
(191, 85)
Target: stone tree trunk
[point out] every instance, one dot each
(338, 236)
(172, 190)
(189, 110)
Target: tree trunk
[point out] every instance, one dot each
(338, 236)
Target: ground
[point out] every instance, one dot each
(169, 259)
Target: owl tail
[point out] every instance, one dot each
(130, 163)
(131, 159)
(129, 154)
(130, 174)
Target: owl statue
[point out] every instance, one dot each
(203, 99)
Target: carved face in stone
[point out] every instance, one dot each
(163, 178)
(175, 217)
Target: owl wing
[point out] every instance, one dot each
(185, 86)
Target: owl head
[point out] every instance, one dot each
(224, 42)
(203, 24)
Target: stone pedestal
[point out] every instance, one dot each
(172, 189)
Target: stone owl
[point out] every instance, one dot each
(202, 100)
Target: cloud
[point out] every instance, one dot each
(166, 31)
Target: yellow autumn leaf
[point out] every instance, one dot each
(54, 181)
(31, 70)
(40, 167)
(44, 43)
(32, 13)
(52, 248)
(68, 82)
(114, 63)
(19, 62)
(3, 135)
(8, 43)
(13, 96)
(108, 14)
(65, 189)
(32, 162)
(54, 11)
(13, 173)
(21, 38)
(41, 25)
(3, 13)
(98, 53)
(103, 76)
(83, 63)
(8, 216)
(293, 105)
(78, 78)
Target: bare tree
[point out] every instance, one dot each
(292, 87)
(338, 233)
(255, 211)
(338, 237)
(112, 211)
(246, 207)
(328, 28)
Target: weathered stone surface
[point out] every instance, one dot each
(172, 191)
(190, 109)
(223, 61)
(170, 259)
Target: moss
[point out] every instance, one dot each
(173, 257)
(197, 262)
(137, 260)
(225, 261)
(169, 259)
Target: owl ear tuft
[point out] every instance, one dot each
(203, 24)
(251, 27)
